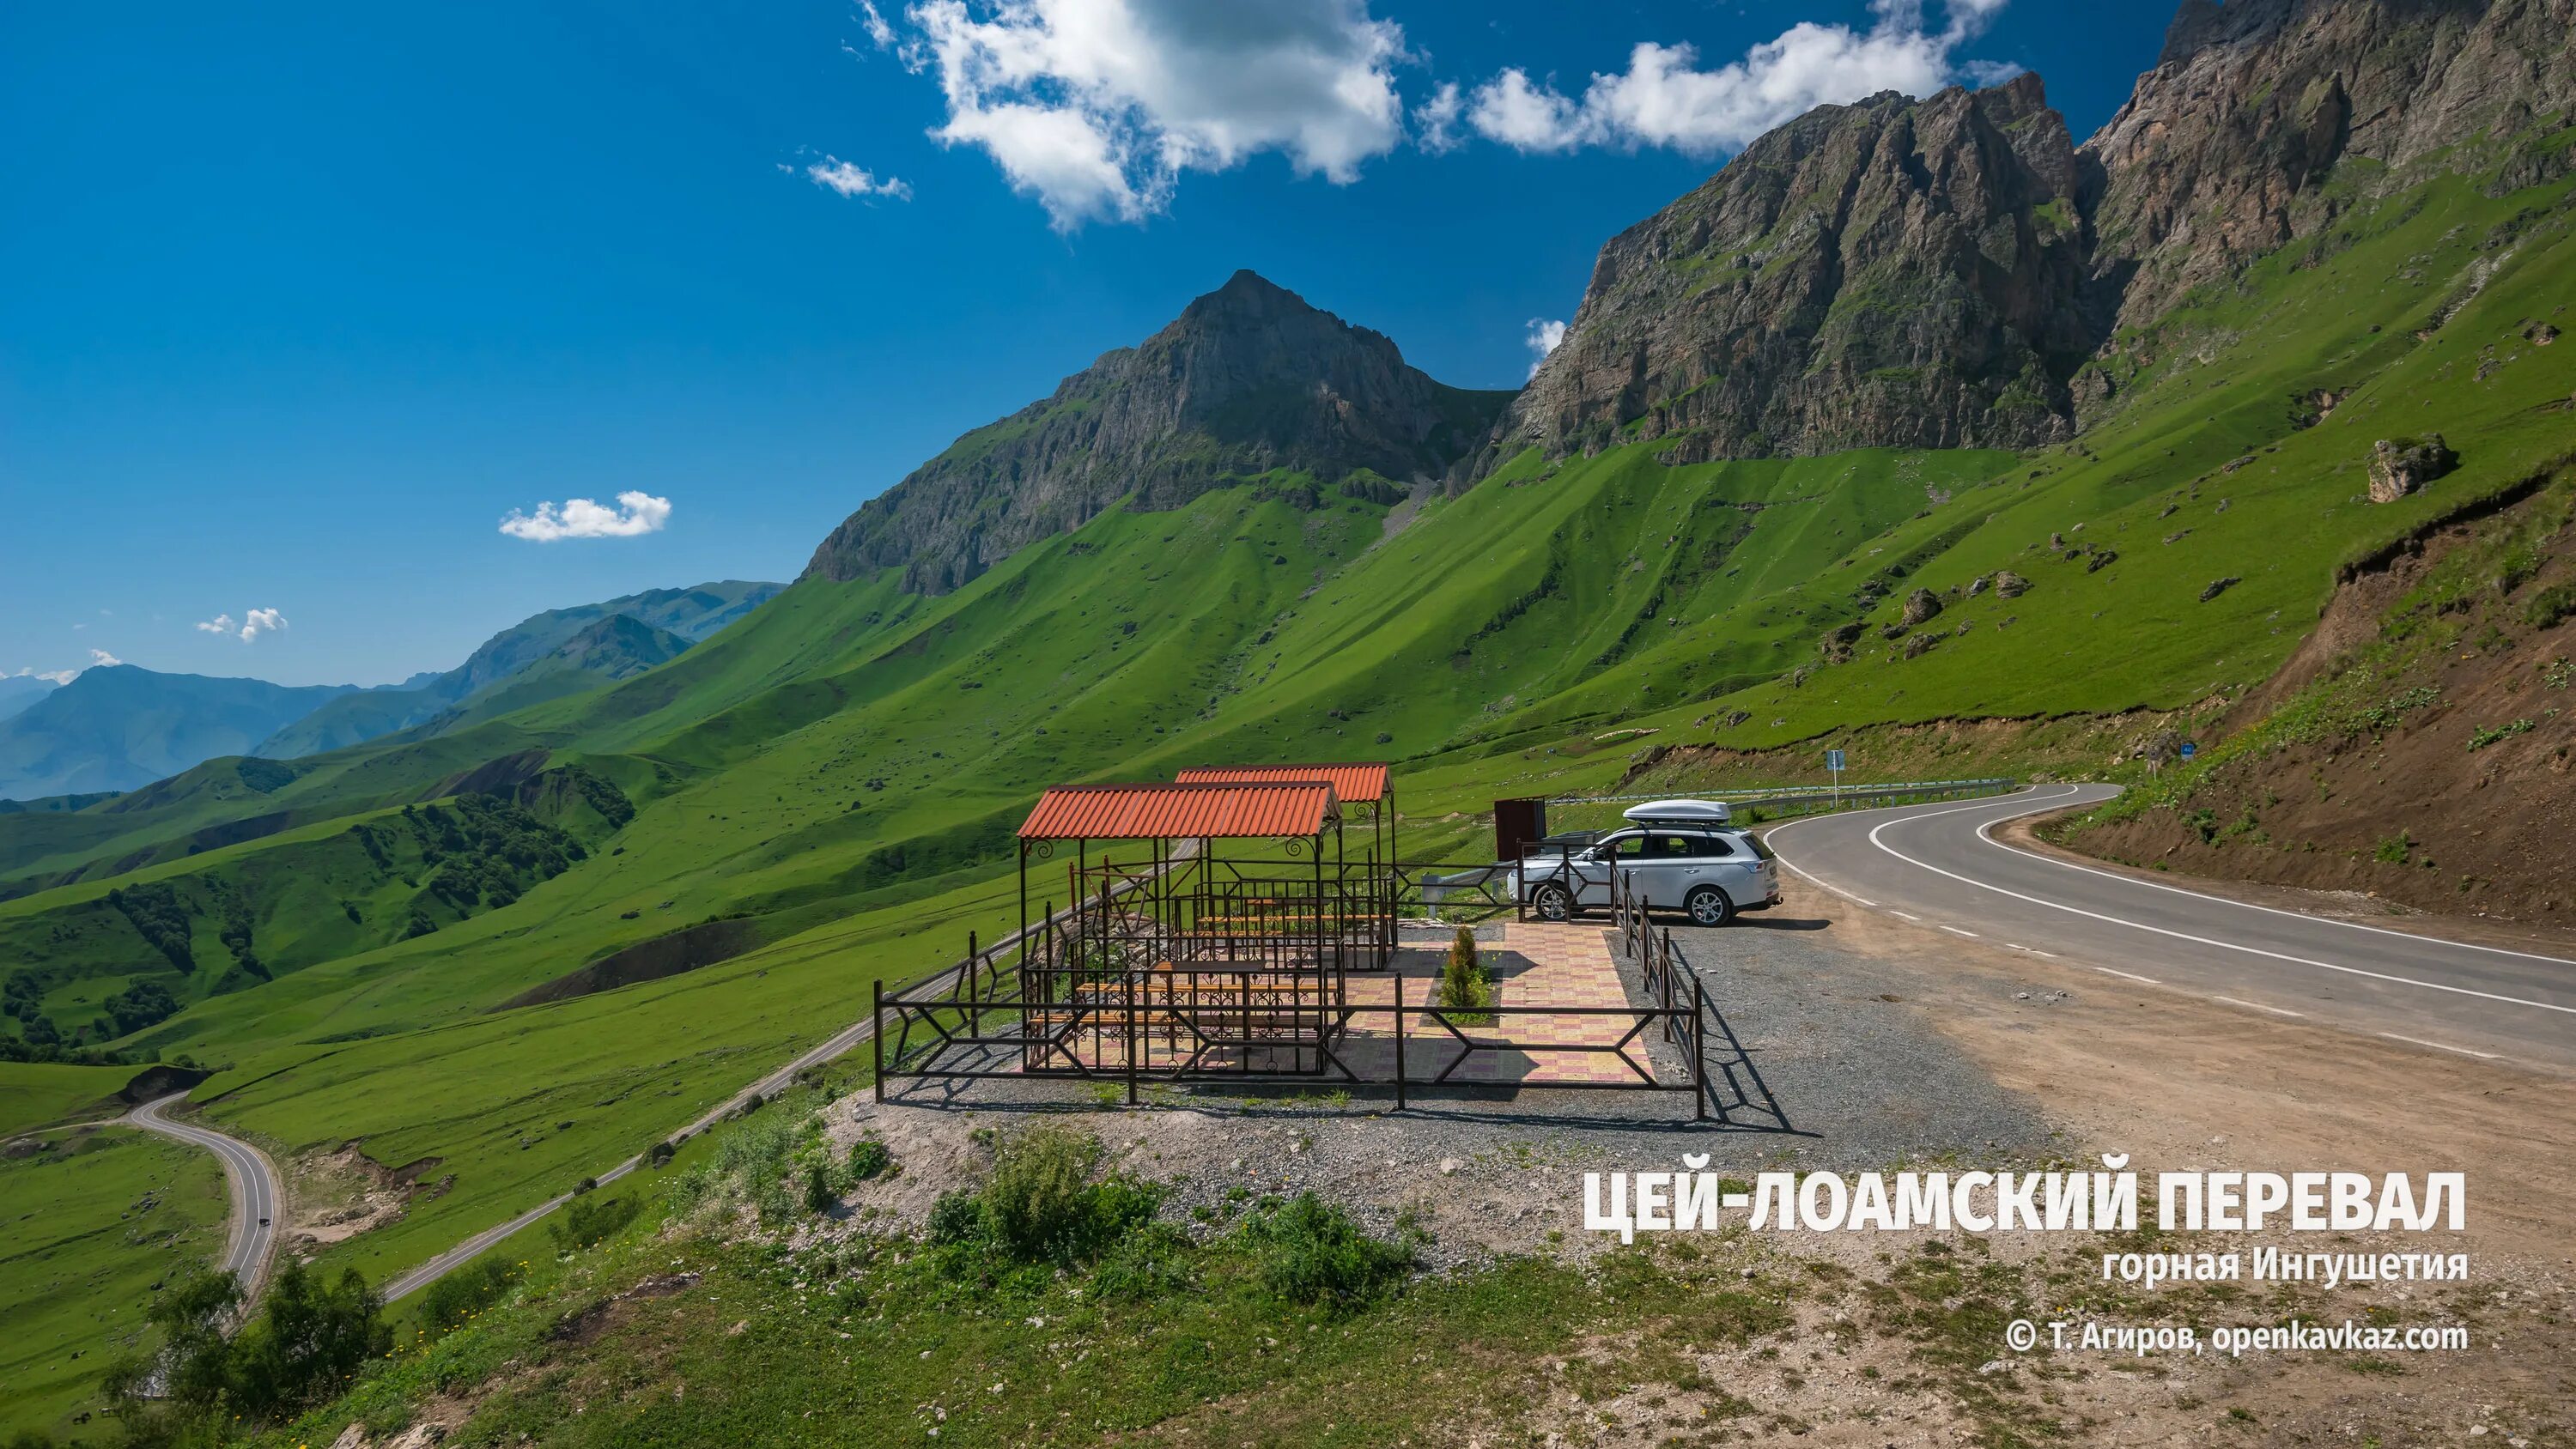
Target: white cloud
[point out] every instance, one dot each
(1097, 107)
(1525, 116)
(880, 33)
(1543, 337)
(636, 513)
(836, 175)
(254, 622)
(98, 659)
(1663, 98)
(1435, 121)
(53, 676)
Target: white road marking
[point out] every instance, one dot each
(2128, 975)
(2187, 936)
(2439, 1046)
(1918, 920)
(1955, 931)
(2259, 1006)
(2271, 910)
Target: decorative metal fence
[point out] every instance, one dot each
(1073, 999)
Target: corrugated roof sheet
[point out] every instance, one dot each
(1350, 782)
(1182, 812)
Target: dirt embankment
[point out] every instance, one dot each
(2077, 746)
(2418, 748)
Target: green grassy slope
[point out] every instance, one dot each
(839, 772)
(34, 1094)
(95, 1224)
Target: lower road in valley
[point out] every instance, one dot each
(1940, 866)
(252, 1239)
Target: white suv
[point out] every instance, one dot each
(1710, 871)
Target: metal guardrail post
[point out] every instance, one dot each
(1399, 1041)
(1699, 1049)
(1131, 1037)
(876, 1034)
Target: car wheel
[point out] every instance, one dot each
(1552, 903)
(1708, 906)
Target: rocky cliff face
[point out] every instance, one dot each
(1248, 379)
(2223, 150)
(1892, 272)
(1938, 273)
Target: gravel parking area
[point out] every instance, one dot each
(1862, 1080)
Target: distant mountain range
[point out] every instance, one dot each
(118, 727)
(18, 691)
(560, 643)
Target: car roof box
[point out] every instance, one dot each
(1678, 812)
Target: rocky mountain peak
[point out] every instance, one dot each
(1946, 272)
(1891, 272)
(1248, 379)
(2223, 150)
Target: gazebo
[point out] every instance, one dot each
(1369, 786)
(1207, 952)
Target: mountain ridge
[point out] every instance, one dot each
(692, 613)
(119, 726)
(1248, 379)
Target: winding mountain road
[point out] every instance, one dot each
(251, 1241)
(1940, 866)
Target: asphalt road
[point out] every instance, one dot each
(251, 1241)
(1939, 866)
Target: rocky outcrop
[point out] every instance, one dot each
(1955, 272)
(2010, 585)
(1920, 605)
(1248, 379)
(1893, 272)
(2399, 466)
(2223, 149)
(1836, 646)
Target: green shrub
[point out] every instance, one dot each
(1312, 1252)
(1152, 1262)
(1041, 1204)
(958, 1217)
(469, 1290)
(1466, 990)
(2493, 733)
(2551, 606)
(588, 1218)
(869, 1160)
(819, 1197)
(306, 1341)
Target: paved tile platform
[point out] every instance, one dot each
(1535, 965)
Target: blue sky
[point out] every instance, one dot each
(303, 302)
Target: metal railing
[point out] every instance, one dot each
(1761, 792)
(1731, 1086)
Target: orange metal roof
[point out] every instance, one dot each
(1350, 782)
(1202, 810)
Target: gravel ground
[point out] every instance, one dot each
(1861, 1079)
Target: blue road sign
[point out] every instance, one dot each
(1834, 758)
(2189, 749)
